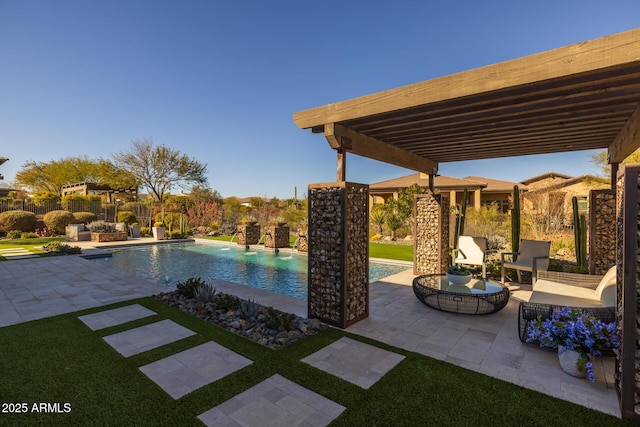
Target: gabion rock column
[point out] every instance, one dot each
(602, 230)
(431, 241)
(276, 236)
(248, 234)
(338, 252)
(303, 239)
(628, 291)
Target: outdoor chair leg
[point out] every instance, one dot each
(519, 276)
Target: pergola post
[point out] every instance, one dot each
(338, 292)
(628, 281)
(431, 242)
(602, 230)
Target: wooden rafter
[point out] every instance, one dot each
(580, 97)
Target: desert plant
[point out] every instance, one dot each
(57, 248)
(205, 293)
(14, 234)
(85, 217)
(461, 214)
(278, 320)
(226, 301)
(190, 286)
(580, 234)
(515, 221)
(378, 216)
(58, 220)
(127, 217)
(249, 308)
(18, 220)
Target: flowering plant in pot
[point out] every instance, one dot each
(572, 330)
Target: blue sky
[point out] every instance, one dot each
(220, 80)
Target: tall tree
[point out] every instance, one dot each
(159, 168)
(51, 176)
(600, 160)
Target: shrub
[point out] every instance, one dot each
(226, 302)
(205, 293)
(249, 308)
(14, 234)
(127, 217)
(190, 286)
(85, 217)
(18, 220)
(376, 237)
(144, 231)
(29, 235)
(58, 220)
(175, 235)
(278, 320)
(57, 248)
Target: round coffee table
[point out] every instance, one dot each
(479, 296)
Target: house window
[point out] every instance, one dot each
(583, 204)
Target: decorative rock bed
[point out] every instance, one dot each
(259, 328)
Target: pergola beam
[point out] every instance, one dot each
(628, 139)
(343, 139)
(609, 52)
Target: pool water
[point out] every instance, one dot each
(284, 272)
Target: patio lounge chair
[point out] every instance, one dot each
(533, 256)
(471, 251)
(553, 290)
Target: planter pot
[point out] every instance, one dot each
(457, 279)
(134, 230)
(569, 362)
(158, 232)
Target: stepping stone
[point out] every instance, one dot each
(17, 253)
(354, 361)
(147, 337)
(191, 369)
(117, 316)
(274, 402)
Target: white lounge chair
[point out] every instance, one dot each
(533, 255)
(471, 251)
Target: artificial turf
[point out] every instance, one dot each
(60, 360)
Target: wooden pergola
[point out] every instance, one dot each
(579, 97)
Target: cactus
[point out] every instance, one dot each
(249, 308)
(579, 234)
(460, 215)
(515, 221)
(205, 293)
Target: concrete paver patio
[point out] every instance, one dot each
(359, 363)
(191, 369)
(147, 337)
(37, 288)
(274, 402)
(116, 316)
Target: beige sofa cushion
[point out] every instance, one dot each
(606, 290)
(549, 292)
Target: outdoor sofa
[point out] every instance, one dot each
(553, 290)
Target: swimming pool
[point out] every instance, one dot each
(284, 272)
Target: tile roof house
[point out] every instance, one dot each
(480, 190)
(550, 195)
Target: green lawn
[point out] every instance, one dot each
(31, 245)
(59, 359)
